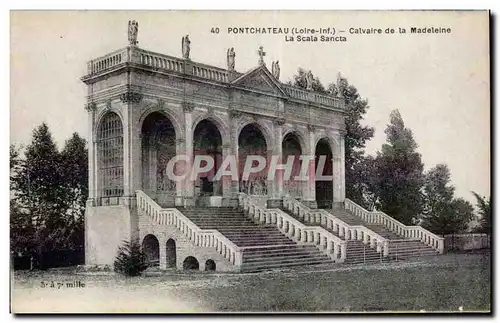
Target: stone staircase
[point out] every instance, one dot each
(399, 246)
(265, 247)
(357, 252)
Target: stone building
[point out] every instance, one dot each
(145, 108)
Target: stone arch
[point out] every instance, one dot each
(171, 253)
(324, 188)
(219, 122)
(101, 114)
(109, 154)
(332, 141)
(302, 138)
(151, 249)
(293, 147)
(158, 147)
(252, 141)
(266, 132)
(169, 114)
(208, 141)
(210, 265)
(190, 263)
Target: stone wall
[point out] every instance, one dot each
(105, 229)
(184, 247)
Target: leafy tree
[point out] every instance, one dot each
(130, 259)
(484, 207)
(397, 175)
(356, 135)
(444, 214)
(48, 195)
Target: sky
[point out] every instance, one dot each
(438, 82)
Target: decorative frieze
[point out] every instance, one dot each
(131, 97)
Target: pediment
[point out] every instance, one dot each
(260, 79)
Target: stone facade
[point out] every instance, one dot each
(133, 85)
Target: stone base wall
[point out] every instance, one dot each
(106, 227)
(184, 247)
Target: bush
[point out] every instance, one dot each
(130, 260)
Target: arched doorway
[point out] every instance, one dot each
(207, 141)
(158, 147)
(291, 147)
(210, 265)
(324, 188)
(151, 249)
(191, 263)
(171, 253)
(251, 141)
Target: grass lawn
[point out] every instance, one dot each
(443, 283)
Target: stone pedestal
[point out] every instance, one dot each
(310, 204)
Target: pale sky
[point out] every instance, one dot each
(439, 82)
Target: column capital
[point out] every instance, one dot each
(234, 114)
(131, 97)
(91, 106)
(279, 121)
(311, 128)
(187, 106)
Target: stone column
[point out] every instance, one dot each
(188, 145)
(275, 185)
(91, 201)
(309, 190)
(338, 171)
(180, 149)
(131, 147)
(234, 118)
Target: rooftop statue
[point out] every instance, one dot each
(230, 59)
(186, 47)
(133, 29)
(276, 70)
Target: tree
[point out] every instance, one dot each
(49, 192)
(356, 136)
(130, 259)
(484, 208)
(443, 214)
(396, 179)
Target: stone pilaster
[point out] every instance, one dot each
(91, 107)
(275, 184)
(339, 170)
(309, 188)
(188, 145)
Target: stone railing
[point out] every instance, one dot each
(211, 73)
(200, 237)
(160, 61)
(331, 222)
(319, 98)
(325, 241)
(107, 61)
(410, 232)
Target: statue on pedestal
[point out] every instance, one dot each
(261, 54)
(276, 70)
(309, 81)
(230, 59)
(186, 47)
(133, 30)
